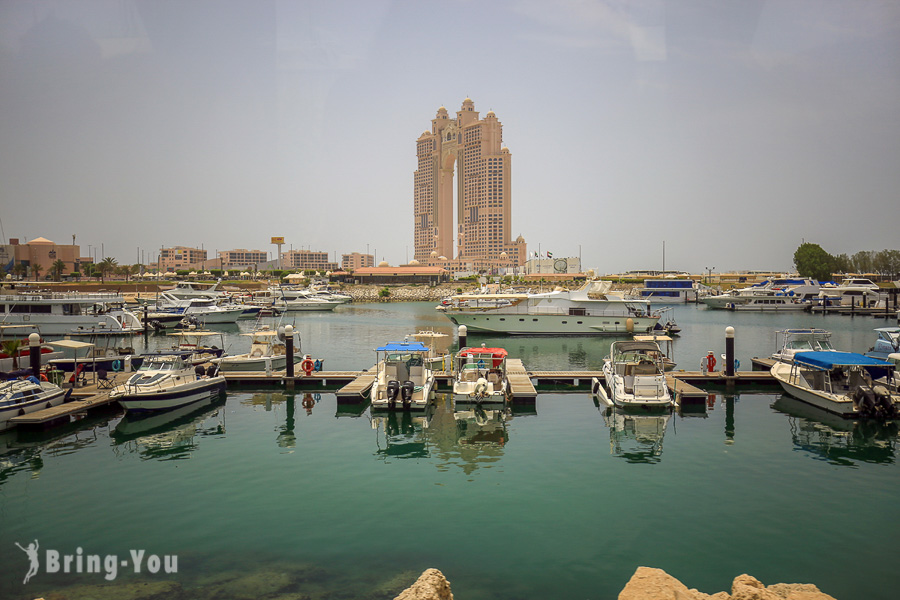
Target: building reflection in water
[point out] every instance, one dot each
(841, 442)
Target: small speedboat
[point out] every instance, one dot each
(403, 379)
(267, 351)
(888, 343)
(634, 376)
(843, 383)
(481, 375)
(24, 396)
(167, 381)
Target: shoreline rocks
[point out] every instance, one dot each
(655, 584)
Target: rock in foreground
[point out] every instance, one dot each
(431, 585)
(656, 584)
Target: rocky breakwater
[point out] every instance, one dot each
(404, 293)
(656, 584)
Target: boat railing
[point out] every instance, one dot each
(79, 297)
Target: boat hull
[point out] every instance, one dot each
(172, 397)
(235, 363)
(525, 324)
(51, 397)
(838, 405)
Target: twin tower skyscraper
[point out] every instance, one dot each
(465, 153)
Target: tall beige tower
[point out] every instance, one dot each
(470, 149)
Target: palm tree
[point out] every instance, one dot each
(11, 348)
(57, 269)
(36, 269)
(107, 266)
(19, 270)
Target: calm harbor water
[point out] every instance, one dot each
(272, 493)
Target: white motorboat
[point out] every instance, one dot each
(57, 314)
(187, 290)
(634, 376)
(267, 352)
(843, 383)
(769, 304)
(851, 292)
(403, 379)
(205, 310)
(480, 376)
(667, 351)
(794, 290)
(166, 382)
(791, 341)
(24, 396)
(589, 310)
(887, 343)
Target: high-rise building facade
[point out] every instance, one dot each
(466, 151)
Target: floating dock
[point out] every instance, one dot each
(66, 410)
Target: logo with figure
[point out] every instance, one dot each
(32, 552)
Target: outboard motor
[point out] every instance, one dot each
(407, 392)
(883, 397)
(211, 370)
(393, 389)
(864, 398)
(199, 371)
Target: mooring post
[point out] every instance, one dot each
(463, 333)
(34, 343)
(729, 354)
(289, 350)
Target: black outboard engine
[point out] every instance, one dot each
(407, 391)
(393, 389)
(199, 371)
(211, 370)
(883, 398)
(864, 398)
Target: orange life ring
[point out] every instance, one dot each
(308, 402)
(307, 366)
(710, 363)
(44, 377)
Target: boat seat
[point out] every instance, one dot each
(494, 377)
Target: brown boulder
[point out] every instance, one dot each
(431, 585)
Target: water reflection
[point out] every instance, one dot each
(170, 435)
(401, 434)
(636, 437)
(842, 442)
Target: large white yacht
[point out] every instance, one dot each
(792, 289)
(58, 314)
(589, 310)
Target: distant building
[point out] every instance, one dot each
(242, 257)
(307, 260)
(401, 275)
(41, 252)
(180, 257)
(569, 265)
(355, 261)
(469, 149)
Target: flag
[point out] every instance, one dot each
(549, 255)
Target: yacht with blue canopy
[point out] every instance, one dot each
(403, 379)
(844, 383)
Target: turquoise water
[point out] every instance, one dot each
(559, 500)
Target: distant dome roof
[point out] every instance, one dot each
(490, 113)
(434, 253)
(520, 239)
(468, 101)
(503, 255)
(505, 150)
(413, 262)
(383, 263)
(442, 258)
(39, 240)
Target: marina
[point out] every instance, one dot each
(318, 429)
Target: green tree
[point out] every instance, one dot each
(19, 270)
(57, 269)
(107, 266)
(36, 270)
(843, 263)
(811, 260)
(11, 348)
(863, 261)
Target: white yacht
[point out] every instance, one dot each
(791, 341)
(778, 303)
(634, 376)
(205, 310)
(193, 289)
(589, 310)
(851, 292)
(791, 289)
(403, 379)
(70, 313)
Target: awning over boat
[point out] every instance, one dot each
(70, 344)
(403, 347)
(830, 360)
(635, 346)
(496, 352)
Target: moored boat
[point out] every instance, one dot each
(634, 375)
(887, 343)
(843, 383)
(165, 382)
(27, 395)
(791, 341)
(403, 379)
(267, 352)
(480, 376)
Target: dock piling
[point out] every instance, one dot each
(463, 333)
(289, 351)
(729, 351)
(34, 343)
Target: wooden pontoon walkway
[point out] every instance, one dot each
(65, 410)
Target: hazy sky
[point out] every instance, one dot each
(731, 130)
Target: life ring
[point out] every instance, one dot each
(307, 366)
(737, 364)
(44, 377)
(308, 402)
(117, 365)
(480, 363)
